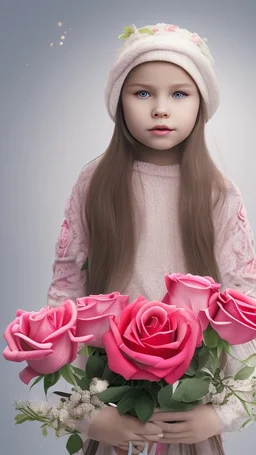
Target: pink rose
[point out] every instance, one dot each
(233, 316)
(45, 339)
(190, 291)
(152, 340)
(93, 314)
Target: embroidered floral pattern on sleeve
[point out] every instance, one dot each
(237, 259)
(71, 251)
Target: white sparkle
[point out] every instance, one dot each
(61, 43)
(65, 32)
(26, 64)
(59, 24)
(51, 44)
(70, 29)
(62, 37)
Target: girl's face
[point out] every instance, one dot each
(160, 93)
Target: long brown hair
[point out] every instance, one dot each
(110, 208)
(110, 212)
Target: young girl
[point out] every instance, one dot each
(154, 204)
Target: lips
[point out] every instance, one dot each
(161, 127)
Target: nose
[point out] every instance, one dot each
(161, 112)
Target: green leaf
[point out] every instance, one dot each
(144, 407)
(20, 418)
(192, 367)
(128, 401)
(245, 423)
(36, 381)
(74, 444)
(84, 383)
(78, 372)
(251, 360)
(50, 380)
(244, 373)
(193, 389)
(146, 30)
(128, 29)
(220, 348)
(113, 394)
(95, 367)
(226, 346)
(211, 338)
(165, 395)
(85, 265)
(67, 373)
(44, 430)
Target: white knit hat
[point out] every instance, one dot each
(168, 43)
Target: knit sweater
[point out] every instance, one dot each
(156, 189)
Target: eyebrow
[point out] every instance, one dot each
(175, 86)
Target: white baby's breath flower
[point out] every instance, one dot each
(75, 397)
(98, 385)
(55, 424)
(63, 415)
(96, 402)
(44, 407)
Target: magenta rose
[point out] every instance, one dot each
(46, 339)
(233, 316)
(93, 314)
(152, 340)
(190, 291)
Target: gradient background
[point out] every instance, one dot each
(53, 121)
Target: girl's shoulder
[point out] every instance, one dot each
(84, 177)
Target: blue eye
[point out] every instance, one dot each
(183, 93)
(141, 91)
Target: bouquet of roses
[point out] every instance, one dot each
(139, 356)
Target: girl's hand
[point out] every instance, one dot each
(192, 426)
(109, 427)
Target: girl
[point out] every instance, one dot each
(154, 204)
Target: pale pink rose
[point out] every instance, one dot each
(63, 238)
(46, 339)
(154, 29)
(233, 316)
(196, 39)
(190, 291)
(172, 28)
(152, 340)
(93, 314)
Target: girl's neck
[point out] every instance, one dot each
(160, 157)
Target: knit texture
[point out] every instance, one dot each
(160, 252)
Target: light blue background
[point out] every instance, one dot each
(53, 121)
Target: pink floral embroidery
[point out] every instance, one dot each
(154, 29)
(63, 238)
(242, 214)
(196, 39)
(172, 28)
(251, 267)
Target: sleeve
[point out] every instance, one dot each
(236, 259)
(71, 249)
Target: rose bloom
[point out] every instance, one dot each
(93, 314)
(190, 291)
(152, 340)
(45, 339)
(233, 316)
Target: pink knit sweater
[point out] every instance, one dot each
(160, 252)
